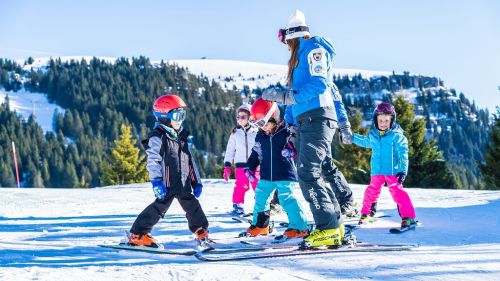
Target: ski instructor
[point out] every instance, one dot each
(314, 103)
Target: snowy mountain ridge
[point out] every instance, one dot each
(228, 73)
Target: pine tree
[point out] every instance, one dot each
(8, 178)
(489, 169)
(125, 165)
(354, 161)
(426, 167)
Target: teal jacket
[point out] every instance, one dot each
(389, 152)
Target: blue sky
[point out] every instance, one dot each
(458, 41)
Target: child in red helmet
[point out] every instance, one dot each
(172, 172)
(277, 173)
(239, 147)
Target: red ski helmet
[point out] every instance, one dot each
(167, 104)
(384, 108)
(262, 111)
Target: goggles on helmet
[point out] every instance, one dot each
(385, 108)
(261, 122)
(283, 32)
(176, 115)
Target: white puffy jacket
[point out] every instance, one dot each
(240, 146)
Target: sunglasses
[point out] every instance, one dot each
(261, 122)
(241, 117)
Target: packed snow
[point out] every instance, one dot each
(52, 234)
(27, 103)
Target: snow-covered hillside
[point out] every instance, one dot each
(52, 234)
(26, 103)
(238, 74)
(228, 73)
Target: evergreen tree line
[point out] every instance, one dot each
(427, 169)
(43, 160)
(99, 97)
(460, 129)
(489, 166)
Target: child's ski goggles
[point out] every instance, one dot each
(261, 122)
(385, 108)
(176, 115)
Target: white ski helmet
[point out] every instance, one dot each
(296, 26)
(244, 107)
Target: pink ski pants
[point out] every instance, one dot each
(399, 195)
(242, 185)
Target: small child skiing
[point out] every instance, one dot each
(389, 163)
(239, 147)
(172, 174)
(277, 173)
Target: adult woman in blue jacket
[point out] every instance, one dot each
(318, 109)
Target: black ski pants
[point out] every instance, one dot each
(151, 215)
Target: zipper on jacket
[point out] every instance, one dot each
(246, 144)
(167, 176)
(180, 161)
(271, 144)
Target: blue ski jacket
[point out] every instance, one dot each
(312, 81)
(389, 152)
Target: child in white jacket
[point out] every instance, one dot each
(238, 150)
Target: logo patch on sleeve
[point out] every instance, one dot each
(318, 65)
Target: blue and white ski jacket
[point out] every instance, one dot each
(389, 152)
(312, 80)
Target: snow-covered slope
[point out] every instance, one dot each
(52, 234)
(27, 103)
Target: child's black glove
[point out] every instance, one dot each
(401, 177)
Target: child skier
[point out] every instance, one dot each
(239, 147)
(389, 163)
(172, 173)
(277, 172)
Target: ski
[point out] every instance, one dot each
(292, 243)
(160, 250)
(281, 241)
(285, 224)
(241, 219)
(186, 251)
(295, 251)
(347, 220)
